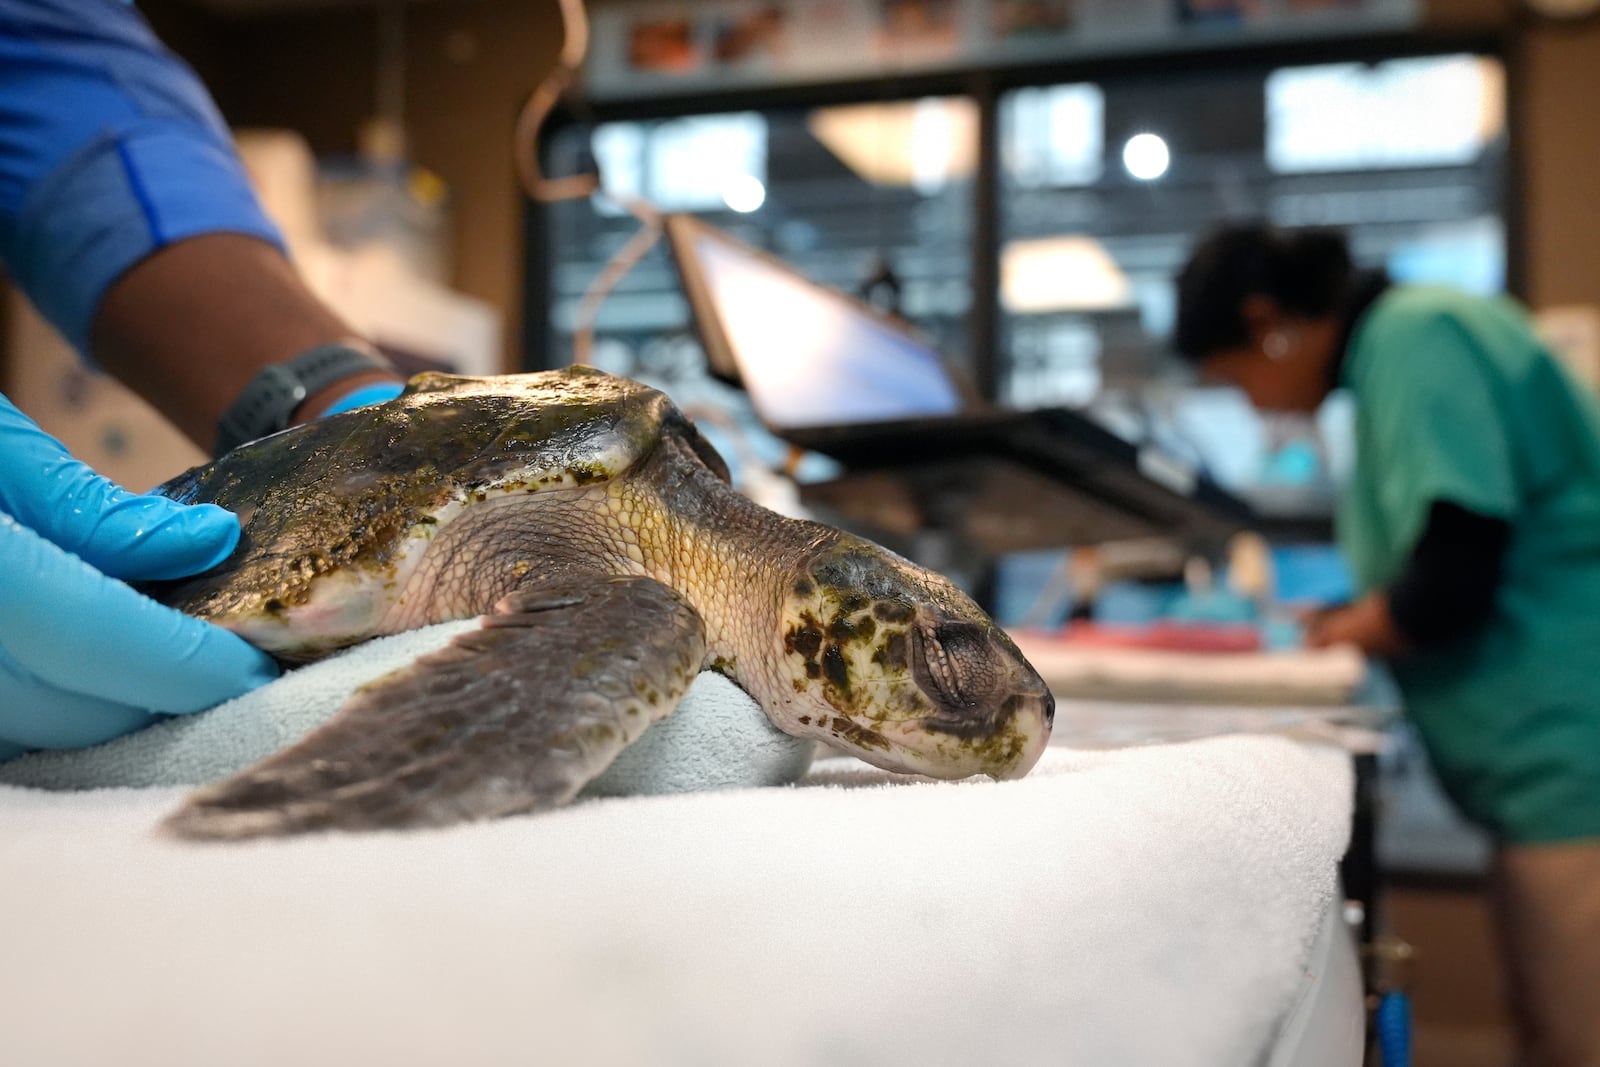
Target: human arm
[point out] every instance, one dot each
(1445, 594)
(1367, 624)
(161, 325)
(127, 218)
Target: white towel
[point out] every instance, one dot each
(1152, 906)
(718, 738)
(1301, 677)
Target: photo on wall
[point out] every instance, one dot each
(752, 38)
(1012, 20)
(664, 46)
(1218, 12)
(918, 30)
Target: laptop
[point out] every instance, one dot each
(830, 373)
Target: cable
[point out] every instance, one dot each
(525, 156)
(525, 138)
(616, 268)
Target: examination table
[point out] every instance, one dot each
(1172, 904)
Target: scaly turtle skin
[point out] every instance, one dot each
(594, 528)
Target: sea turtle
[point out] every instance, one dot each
(586, 518)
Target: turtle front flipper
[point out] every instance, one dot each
(514, 717)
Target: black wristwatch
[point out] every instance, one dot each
(267, 403)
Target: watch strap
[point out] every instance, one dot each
(266, 405)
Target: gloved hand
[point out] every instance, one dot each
(83, 657)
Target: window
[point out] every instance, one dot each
(1106, 187)
(1103, 188)
(850, 195)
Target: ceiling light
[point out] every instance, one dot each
(920, 143)
(1069, 273)
(1146, 156)
(744, 193)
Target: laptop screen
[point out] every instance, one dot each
(807, 355)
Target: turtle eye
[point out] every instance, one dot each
(953, 657)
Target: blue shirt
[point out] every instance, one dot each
(110, 149)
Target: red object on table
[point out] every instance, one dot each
(1163, 636)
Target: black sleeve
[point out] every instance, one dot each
(1448, 588)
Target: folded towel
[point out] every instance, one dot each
(1301, 677)
(1156, 906)
(718, 738)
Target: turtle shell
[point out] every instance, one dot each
(349, 495)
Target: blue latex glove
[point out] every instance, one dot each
(83, 657)
(362, 395)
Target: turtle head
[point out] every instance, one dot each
(892, 663)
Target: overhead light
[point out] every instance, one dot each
(920, 143)
(744, 193)
(1071, 273)
(1146, 156)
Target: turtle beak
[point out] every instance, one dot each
(1005, 743)
(989, 712)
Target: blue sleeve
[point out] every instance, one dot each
(110, 149)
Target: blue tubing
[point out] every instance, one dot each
(1392, 1022)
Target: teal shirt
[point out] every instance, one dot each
(1456, 400)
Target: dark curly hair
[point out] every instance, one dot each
(1308, 272)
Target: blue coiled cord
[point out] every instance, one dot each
(1392, 1021)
